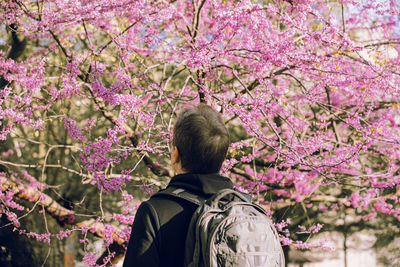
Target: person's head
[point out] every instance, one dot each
(200, 140)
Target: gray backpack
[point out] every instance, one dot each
(227, 230)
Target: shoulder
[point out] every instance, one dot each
(147, 215)
(166, 207)
(162, 201)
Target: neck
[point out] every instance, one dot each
(178, 169)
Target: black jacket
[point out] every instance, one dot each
(161, 223)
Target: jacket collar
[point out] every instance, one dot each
(207, 184)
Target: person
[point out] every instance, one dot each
(199, 146)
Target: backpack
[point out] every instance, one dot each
(227, 230)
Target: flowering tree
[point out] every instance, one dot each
(89, 91)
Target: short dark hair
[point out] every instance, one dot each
(201, 139)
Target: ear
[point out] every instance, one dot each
(175, 158)
(176, 161)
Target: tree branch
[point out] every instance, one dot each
(157, 170)
(34, 195)
(57, 211)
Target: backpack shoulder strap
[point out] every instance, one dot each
(246, 195)
(181, 194)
